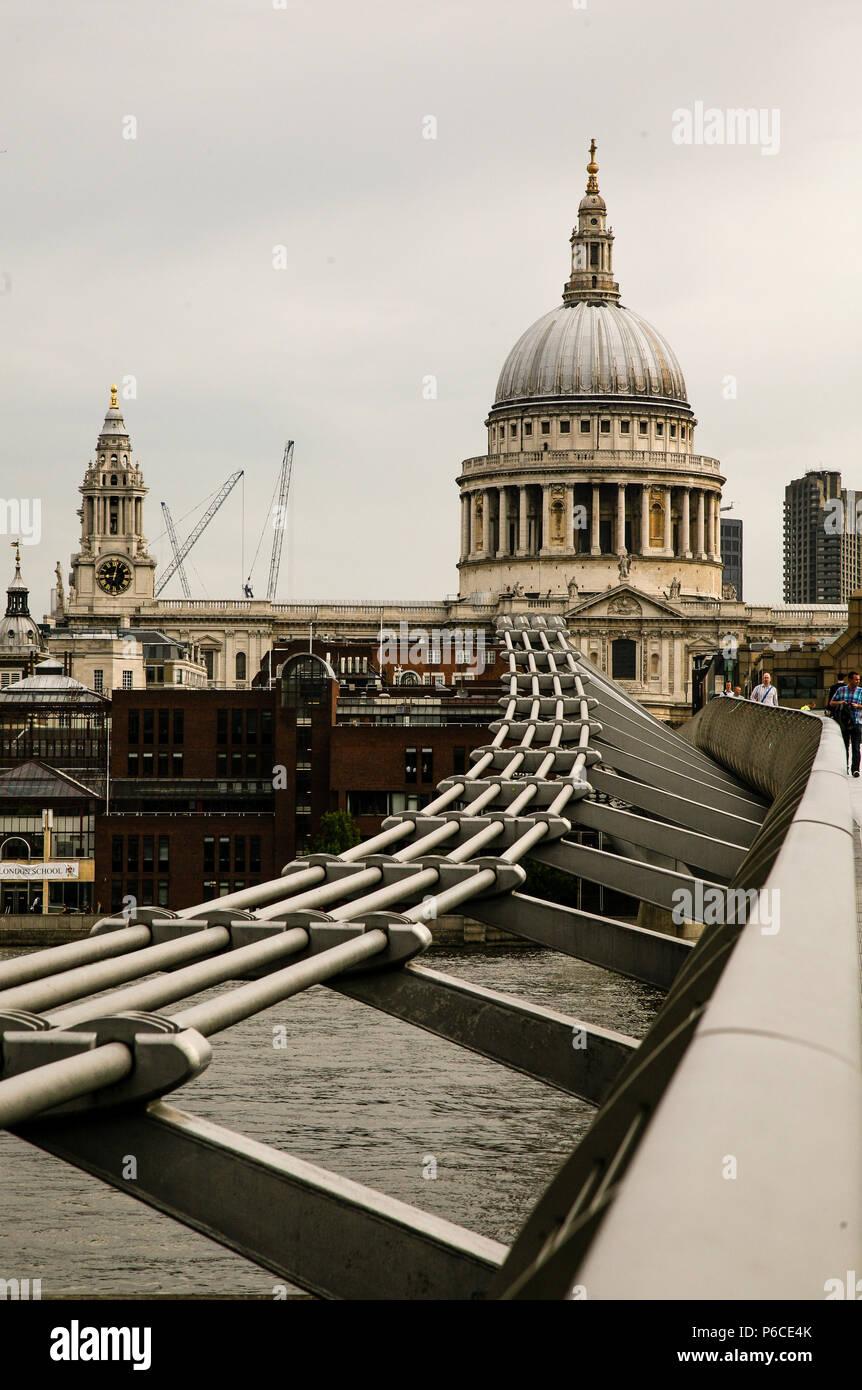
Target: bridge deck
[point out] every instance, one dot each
(856, 803)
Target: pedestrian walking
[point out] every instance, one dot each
(847, 704)
(765, 693)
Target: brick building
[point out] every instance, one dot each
(215, 790)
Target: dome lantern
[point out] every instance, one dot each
(592, 246)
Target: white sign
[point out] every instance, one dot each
(52, 869)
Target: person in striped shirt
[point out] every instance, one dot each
(847, 701)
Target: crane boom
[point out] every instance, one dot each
(175, 547)
(279, 520)
(198, 530)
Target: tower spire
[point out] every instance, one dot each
(114, 402)
(592, 276)
(592, 170)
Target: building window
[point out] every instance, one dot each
(147, 764)
(251, 764)
(254, 854)
(127, 680)
(148, 726)
(528, 428)
(605, 426)
(163, 762)
(209, 854)
(682, 431)
(221, 764)
(236, 726)
(585, 427)
(134, 726)
(659, 428)
(623, 659)
(427, 765)
(546, 427)
(221, 726)
(410, 765)
(513, 430)
(565, 426)
(132, 765)
(179, 725)
(117, 854)
(642, 426)
(132, 848)
(147, 857)
(164, 853)
(209, 889)
(224, 854)
(164, 721)
(239, 854)
(266, 727)
(240, 666)
(98, 681)
(236, 763)
(251, 726)
(625, 426)
(163, 892)
(459, 761)
(177, 761)
(673, 431)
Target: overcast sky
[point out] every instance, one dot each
(302, 127)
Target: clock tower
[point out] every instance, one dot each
(112, 572)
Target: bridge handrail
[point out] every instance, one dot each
(777, 1043)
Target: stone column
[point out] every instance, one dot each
(710, 526)
(668, 525)
(523, 529)
(570, 518)
(716, 503)
(645, 519)
(486, 530)
(465, 525)
(686, 524)
(701, 547)
(503, 523)
(621, 517)
(546, 520)
(595, 544)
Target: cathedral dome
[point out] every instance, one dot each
(591, 348)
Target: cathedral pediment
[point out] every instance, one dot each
(624, 601)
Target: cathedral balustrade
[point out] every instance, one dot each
(596, 458)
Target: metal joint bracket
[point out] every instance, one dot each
(558, 826)
(141, 917)
(404, 937)
(164, 1056)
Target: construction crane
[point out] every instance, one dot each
(278, 515)
(175, 547)
(183, 550)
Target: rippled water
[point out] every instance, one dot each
(356, 1092)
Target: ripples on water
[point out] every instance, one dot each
(356, 1092)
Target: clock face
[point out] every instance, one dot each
(114, 577)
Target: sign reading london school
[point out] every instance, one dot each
(40, 869)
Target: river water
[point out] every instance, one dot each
(356, 1092)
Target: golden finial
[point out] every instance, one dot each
(114, 405)
(16, 546)
(592, 170)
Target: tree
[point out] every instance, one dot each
(337, 831)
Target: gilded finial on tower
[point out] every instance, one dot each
(592, 170)
(114, 404)
(16, 546)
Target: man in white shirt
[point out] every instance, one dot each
(765, 693)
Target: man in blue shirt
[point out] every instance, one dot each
(847, 701)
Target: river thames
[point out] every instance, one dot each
(354, 1091)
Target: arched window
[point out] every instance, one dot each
(125, 460)
(113, 460)
(240, 666)
(623, 659)
(305, 680)
(409, 678)
(113, 480)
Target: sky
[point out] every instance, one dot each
(154, 155)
